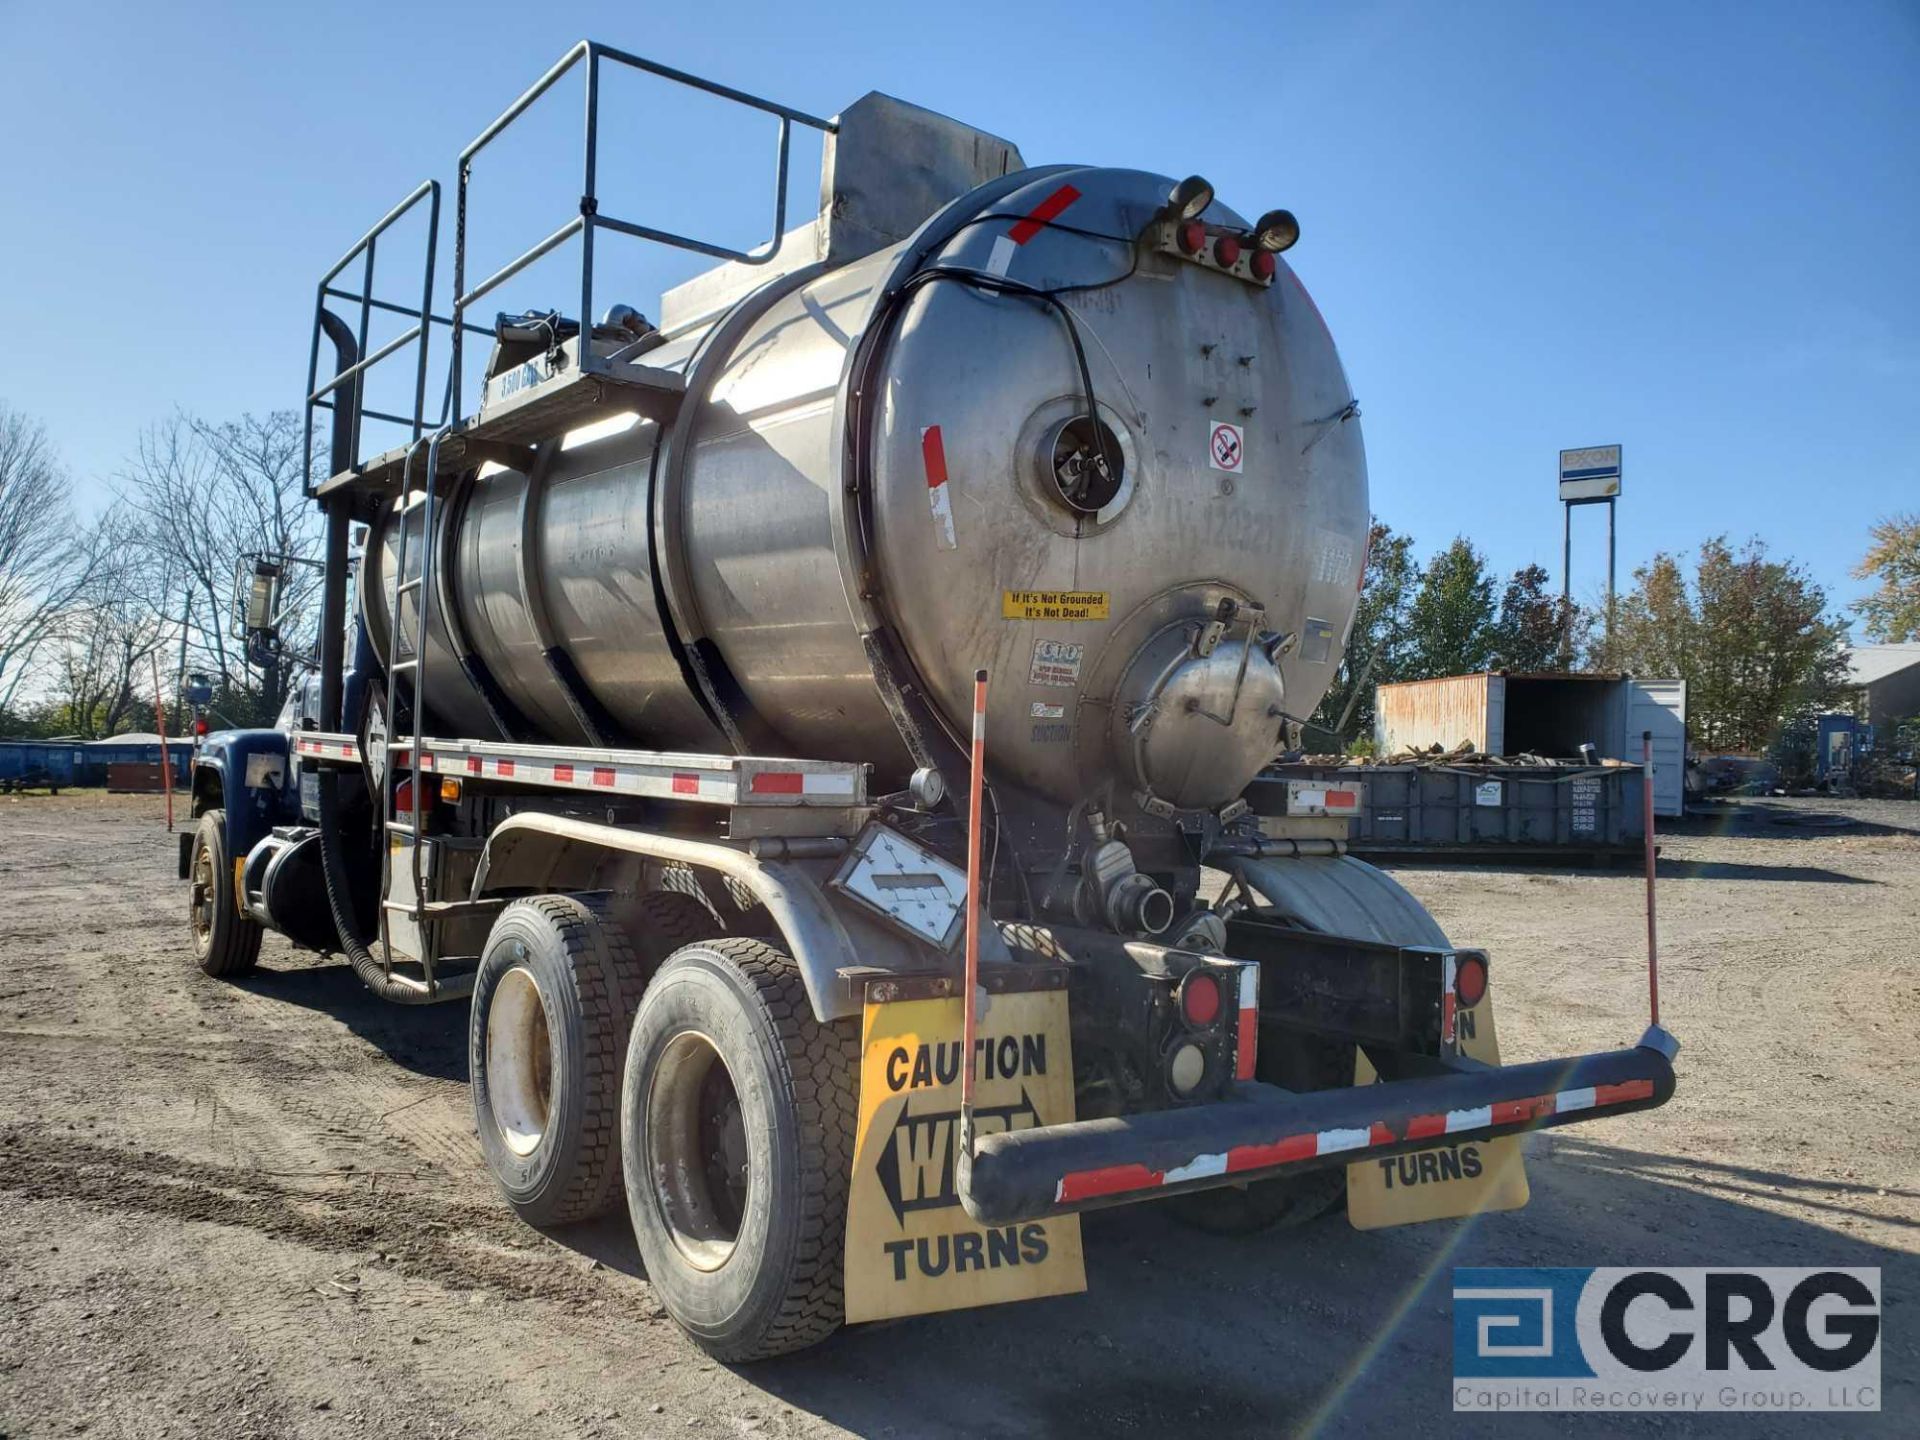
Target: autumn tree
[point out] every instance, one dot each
(1749, 634)
(1892, 612)
(1535, 627)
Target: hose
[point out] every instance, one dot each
(333, 868)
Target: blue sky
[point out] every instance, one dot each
(1691, 229)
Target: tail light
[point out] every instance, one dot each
(403, 798)
(199, 726)
(1262, 264)
(1470, 981)
(1199, 999)
(1226, 250)
(1192, 237)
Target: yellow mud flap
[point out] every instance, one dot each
(1448, 1180)
(910, 1247)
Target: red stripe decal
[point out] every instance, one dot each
(1620, 1094)
(1113, 1180)
(1341, 799)
(563, 774)
(473, 764)
(686, 784)
(779, 782)
(1519, 1112)
(933, 454)
(1422, 1127)
(603, 775)
(1246, 1044)
(1047, 209)
(503, 767)
(1381, 1133)
(1447, 1002)
(1259, 1157)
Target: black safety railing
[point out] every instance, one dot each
(590, 220)
(346, 387)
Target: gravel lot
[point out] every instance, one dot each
(259, 1209)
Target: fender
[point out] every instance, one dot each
(229, 758)
(525, 850)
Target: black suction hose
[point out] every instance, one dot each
(333, 633)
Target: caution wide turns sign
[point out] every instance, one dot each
(911, 1248)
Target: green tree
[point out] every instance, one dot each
(1451, 622)
(1535, 627)
(1749, 634)
(1377, 649)
(1892, 613)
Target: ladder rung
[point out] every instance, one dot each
(412, 501)
(407, 587)
(398, 665)
(445, 909)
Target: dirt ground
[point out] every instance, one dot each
(259, 1209)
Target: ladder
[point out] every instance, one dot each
(408, 657)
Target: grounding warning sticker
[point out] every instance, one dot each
(1054, 604)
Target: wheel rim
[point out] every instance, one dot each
(697, 1150)
(519, 1061)
(201, 898)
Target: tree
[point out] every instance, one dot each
(111, 634)
(202, 496)
(1749, 634)
(1892, 613)
(1451, 621)
(45, 559)
(1534, 630)
(1377, 647)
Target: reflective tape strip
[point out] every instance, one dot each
(1247, 1036)
(1082, 1185)
(1449, 966)
(1037, 218)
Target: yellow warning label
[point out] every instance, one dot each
(910, 1247)
(1054, 604)
(1449, 1180)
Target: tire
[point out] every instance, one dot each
(665, 920)
(225, 942)
(727, 1068)
(549, 1017)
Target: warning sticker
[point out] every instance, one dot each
(1056, 662)
(911, 1249)
(1042, 710)
(1447, 1180)
(1227, 447)
(1054, 604)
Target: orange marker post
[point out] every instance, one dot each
(160, 725)
(975, 790)
(1646, 807)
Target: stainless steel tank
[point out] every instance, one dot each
(1148, 625)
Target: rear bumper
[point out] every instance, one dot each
(1266, 1132)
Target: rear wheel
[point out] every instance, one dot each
(737, 1113)
(550, 1006)
(225, 942)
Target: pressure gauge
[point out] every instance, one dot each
(905, 884)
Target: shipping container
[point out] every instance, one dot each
(1551, 715)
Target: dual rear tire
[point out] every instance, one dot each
(687, 1070)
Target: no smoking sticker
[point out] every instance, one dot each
(1227, 448)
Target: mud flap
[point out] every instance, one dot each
(1449, 1180)
(911, 1249)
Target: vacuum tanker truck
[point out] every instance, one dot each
(809, 731)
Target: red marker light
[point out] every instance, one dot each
(199, 725)
(1200, 998)
(1262, 264)
(1470, 981)
(1192, 237)
(1226, 250)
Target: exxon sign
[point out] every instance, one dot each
(1590, 474)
